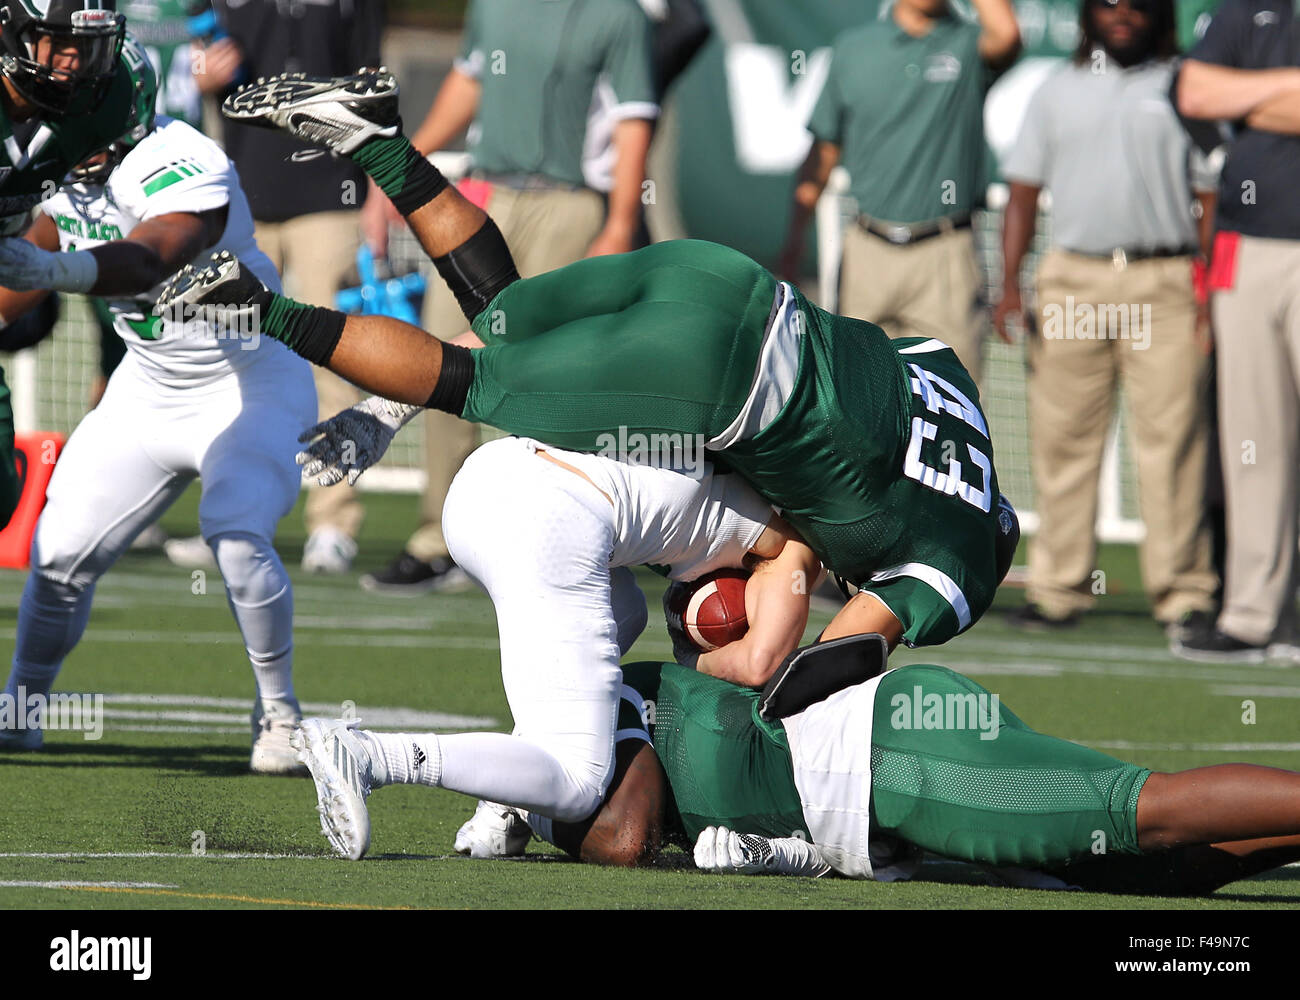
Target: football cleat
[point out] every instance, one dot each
(221, 285)
(341, 113)
(494, 831)
(344, 774)
(273, 724)
(328, 550)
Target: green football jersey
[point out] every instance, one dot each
(35, 169)
(879, 454)
(725, 765)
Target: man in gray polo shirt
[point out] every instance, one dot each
(903, 107)
(1115, 299)
(526, 76)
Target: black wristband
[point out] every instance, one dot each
(453, 381)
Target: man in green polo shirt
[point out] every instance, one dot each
(526, 76)
(903, 108)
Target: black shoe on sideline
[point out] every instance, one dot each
(408, 576)
(1218, 647)
(1030, 618)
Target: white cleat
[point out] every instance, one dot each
(341, 113)
(328, 550)
(494, 831)
(273, 724)
(190, 553)
(344, 774)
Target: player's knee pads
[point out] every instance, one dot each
(257, 586)
(478, 269)
(251, 567)
(78, 571)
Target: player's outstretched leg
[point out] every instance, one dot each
(356, 116)
(382, 355)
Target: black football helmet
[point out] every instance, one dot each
(60, 55)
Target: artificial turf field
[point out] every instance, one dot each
(112, 823)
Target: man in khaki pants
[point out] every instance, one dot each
(1246, 69)
(903, 107)
(526, 77)
(1115, 301)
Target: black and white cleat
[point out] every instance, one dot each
(340, 113)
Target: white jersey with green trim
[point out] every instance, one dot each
(173, 169)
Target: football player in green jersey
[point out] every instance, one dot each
(63, 93)
(864, 781)
(876, 451)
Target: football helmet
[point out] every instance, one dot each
(60, 55)
(139, 119)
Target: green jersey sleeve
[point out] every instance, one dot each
(827, 122)
(627, 59)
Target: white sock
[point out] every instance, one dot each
(411, 758)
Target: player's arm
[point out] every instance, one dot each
(776, 606)
(13, 303)
(152, 251)
(156, 249)
(999, 41)
(865, 613)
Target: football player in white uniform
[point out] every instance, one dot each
(191, 399)
(550, 535)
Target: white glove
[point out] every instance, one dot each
(684, 651)
(350, 442)
(721, 850)
(25, 267)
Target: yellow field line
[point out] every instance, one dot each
(236, 899)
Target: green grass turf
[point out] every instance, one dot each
(159, 630)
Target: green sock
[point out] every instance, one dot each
(401, 172)
(310, 331)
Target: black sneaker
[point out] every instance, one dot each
(1191, 625)
(1030, 618)
(1214, 646)
(408, 576)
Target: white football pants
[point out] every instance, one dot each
(128, 461)
(538, 538)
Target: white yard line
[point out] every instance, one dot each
(88, 885)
